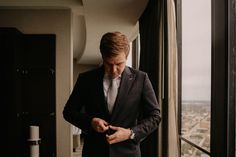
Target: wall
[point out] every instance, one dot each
(52, 22)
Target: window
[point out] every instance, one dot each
(133, 58)
(222, 79)
(196, 78)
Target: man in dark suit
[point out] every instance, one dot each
(114, 118)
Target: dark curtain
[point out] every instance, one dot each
(149, 27)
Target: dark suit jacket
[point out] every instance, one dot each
(136, 107)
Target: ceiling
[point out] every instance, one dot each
(91, 19)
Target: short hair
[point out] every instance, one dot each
(114, 43)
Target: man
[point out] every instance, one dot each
(114, 117)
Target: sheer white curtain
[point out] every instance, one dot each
(173, 140)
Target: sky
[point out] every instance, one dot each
(196, 49)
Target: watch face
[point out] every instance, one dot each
(132, 135)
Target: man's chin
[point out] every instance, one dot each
(114, 76)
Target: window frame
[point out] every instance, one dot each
(232, 80)
(223, 77)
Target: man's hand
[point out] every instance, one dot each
(99, 125)
(121, 134)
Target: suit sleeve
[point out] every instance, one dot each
(73, 110)
(150, 112)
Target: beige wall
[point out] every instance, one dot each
(53, 22)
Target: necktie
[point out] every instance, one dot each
(111, 94)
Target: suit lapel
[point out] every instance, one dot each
(100, 98)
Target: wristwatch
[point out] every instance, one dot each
(132, 135)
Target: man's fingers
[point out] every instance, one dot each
(111, 138)
(99, 125)
(113, 127)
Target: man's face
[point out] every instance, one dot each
(114, 66)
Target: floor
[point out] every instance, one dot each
(77, 152)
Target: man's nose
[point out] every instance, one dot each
(113, 68)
